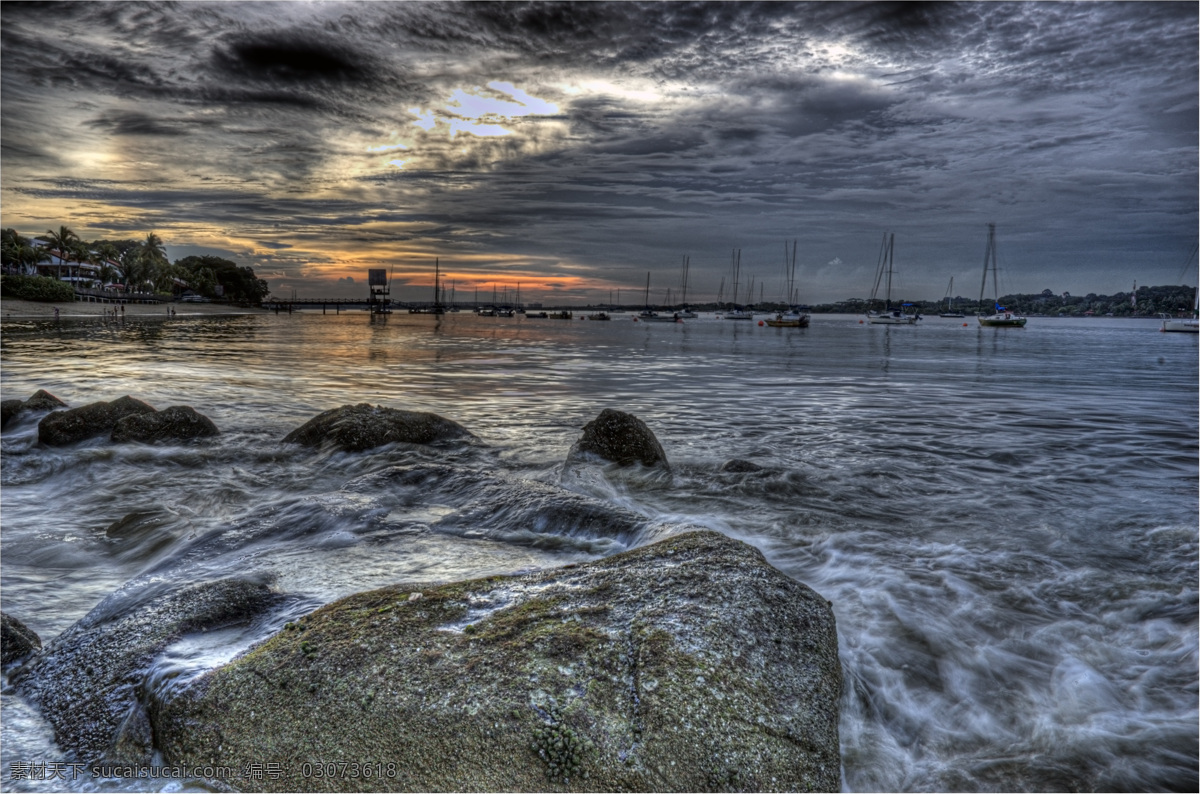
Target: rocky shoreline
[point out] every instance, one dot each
(687, 664)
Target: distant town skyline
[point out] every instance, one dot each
(575, 147)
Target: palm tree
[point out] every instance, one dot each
(30, 256)
(135, 272)
(153, 258)
(64, 240)
(153, 249)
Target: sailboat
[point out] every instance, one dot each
(1002, 318)
(888, 316)
(617, 308)
(949, 310)
(685, 313)
(437, 294)
(793, 317)
(738, 313)
(1188, 325)
(649, 316)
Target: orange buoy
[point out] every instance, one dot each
(760, 323)
(860, 322)
(964, 325)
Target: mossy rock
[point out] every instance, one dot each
(354, 428)
(687, 665)
(86, 681)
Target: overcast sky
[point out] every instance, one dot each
(575, 147)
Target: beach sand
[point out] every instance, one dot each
(17, 309)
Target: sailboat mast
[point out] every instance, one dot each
(436, 295)
(737, 271)
(989, 256)
(647, 296)
(890, 255)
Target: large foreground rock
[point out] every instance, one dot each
(41, 400)
(93, 419)
(87, 680)
(354, 428)
(687, 665)
(621, 438)
(16, 639)
(177, 423)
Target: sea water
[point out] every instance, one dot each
(1005, 520)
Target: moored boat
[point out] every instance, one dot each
(888, 316)
(793, 317)
(790, 319)
(949, 311)
(1002, 318)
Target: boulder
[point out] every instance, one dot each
(41, 400)
(621, 438)
(93, 419)
(354, 428)
(16, 639)
(686, 665)
(177, 423)
(87, 680)
(9, 409)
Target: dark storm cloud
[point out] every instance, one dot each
(135, 123)
(678, 126)
(297, 58)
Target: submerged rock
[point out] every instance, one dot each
(740, 466)
(93, 419)
(87, 680)
(41, 400)
(354, 428)
(177, 423)
(16, 639)
(687, 665)
(621, 438)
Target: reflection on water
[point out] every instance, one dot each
(1004, 519)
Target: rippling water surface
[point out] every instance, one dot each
(1004, 519)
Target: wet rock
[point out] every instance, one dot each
(739, 466)
(687, 665)
(9, 409)
(177, 423)
(621, 438)
(354, 428)
(87, 680)
(93, 419)
(16, 639)
(41, 400)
